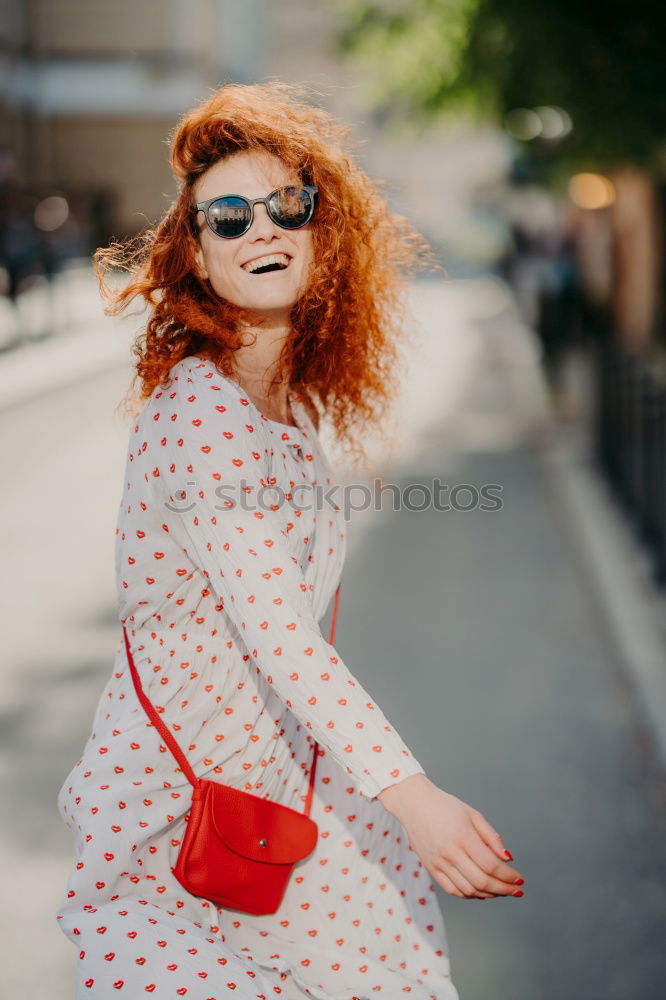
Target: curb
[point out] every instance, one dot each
(618, 570)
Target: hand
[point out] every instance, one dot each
(457, 845)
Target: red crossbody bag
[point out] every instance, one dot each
(239, 850)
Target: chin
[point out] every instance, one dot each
(270, 304)
(269, 310)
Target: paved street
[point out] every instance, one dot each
(477, 632)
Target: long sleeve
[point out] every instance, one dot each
(209, 465)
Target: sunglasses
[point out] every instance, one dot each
(231, 215)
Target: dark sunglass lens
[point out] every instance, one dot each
(291, 207)
(229, 216)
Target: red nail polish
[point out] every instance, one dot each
(509, 855)
(518, 892)
(519, 881)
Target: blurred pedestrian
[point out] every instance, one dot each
(19, 250)
(275, 281)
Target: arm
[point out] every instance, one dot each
(244, 553)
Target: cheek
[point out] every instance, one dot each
(307, 251)
(219, 269)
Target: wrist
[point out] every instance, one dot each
(397, 798)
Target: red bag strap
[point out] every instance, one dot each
(168, 736)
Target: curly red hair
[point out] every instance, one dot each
(343, 346)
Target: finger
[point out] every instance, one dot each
(450, 886)
(445, 882)
(489, 834)
(462, 884)
(483, 880)
(486, 860)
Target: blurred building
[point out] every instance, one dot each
(89, 91)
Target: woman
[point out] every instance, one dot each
(263, 312)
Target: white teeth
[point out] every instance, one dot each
(276, 258)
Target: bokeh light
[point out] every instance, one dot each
(591, 191)
(51, 213)
(523, 123)
(555, 122)
(544, 122)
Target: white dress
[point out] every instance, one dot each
(222, 585)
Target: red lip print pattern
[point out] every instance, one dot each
(223, 605)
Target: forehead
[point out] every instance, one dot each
(250, 173)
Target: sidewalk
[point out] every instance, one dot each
(618, 569)
(84, 341)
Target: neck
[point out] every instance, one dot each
(257, 364)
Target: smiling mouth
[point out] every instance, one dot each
(270, 267)
(273, 262)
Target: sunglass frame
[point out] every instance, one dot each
(204, 206)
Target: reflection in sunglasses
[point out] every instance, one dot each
(291, 202)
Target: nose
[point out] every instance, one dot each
(262, 226)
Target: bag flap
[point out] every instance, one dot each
(243, 821)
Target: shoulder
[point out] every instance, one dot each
(200, 406)
(195, 390)
(194, 379)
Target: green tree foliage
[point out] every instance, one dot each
(602, 62)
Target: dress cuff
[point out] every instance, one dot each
(372, 784)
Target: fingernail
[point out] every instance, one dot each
(519, 881)
(509, 855)
(518, 892)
